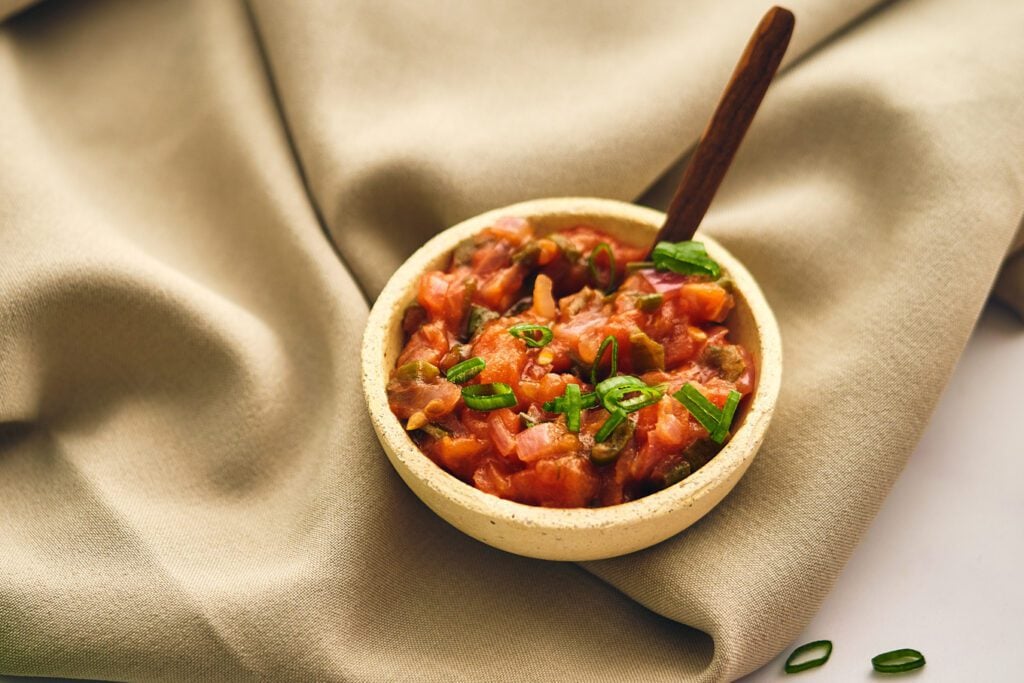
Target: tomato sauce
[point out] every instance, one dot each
(668, 331)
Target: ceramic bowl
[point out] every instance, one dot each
(577, 533)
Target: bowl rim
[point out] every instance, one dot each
(741, 447)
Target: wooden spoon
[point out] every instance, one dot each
(727, 126)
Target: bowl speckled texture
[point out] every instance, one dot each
(577, 533)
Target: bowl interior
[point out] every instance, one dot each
(748, 323)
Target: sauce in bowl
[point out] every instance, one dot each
(563, 371)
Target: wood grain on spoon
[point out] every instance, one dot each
(728, 124)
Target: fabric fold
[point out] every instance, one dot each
(191, 487)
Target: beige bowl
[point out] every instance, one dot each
(578, 533)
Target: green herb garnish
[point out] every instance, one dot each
(610, 340)
(573, 408)
(609, 425)
(716, 421)
(603, 388)
(896, 661)
(610, 447)
(528, 333)
(460, 373)
(793, 666)
(686, 258)
(605, 248)
(613, 391)
(489, 396)
(558, 405)
(728, 411)
(634, 266)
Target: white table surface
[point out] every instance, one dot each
(940, 569)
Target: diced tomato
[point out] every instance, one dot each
(504, 355)
(671, 430)
(511, 229)
(501, 289)
(586, 238)
(568, 481)
(552, 386)
(428, 343)
(460, 454)
(475, 423)
(707, 301)
(489, 478)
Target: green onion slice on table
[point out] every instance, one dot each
(489, 396)
(897, 661)
(528, 333)
(686, 258)
(610, 340)
(793, 666)
(602, 247)
(460, 373)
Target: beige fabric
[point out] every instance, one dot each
(189, 487)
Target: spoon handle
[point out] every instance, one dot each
(729, 123)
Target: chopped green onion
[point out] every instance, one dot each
(489, 396)
(634, 266)
(592, 266)
(705, 411)
(608, 451)
(527, 420)
(609, 425)
(557, 405)
(614, 399)
(460, 373)
(610, 340)
(527, 332)
(896, 661)
(612, 391)
(792, 666)
(687, 258)
(725, 421)
(572, 407)
(603, 388)
(716, 421)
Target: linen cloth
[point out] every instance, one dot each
(199, 198)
